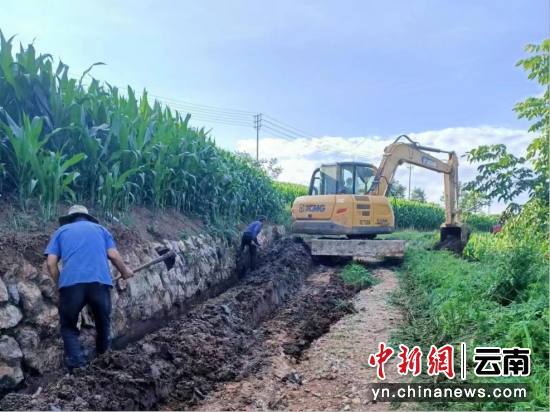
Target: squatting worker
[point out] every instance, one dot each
(250, 239)
(83, 246)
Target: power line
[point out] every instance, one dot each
(328, 151)
(205, 111)
(212, 114)
(181, 102)
(209, 118)
(204, 106)
(342, 152)
(218, 122)
(227, 119)
(334, 153)
(206, 114)
(361, 153)
(292, 127)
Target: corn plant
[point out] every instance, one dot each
(54, 179)
(291, 191)
(131, 151)
(21, 148)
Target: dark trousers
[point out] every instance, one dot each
(72, 300)
(252, 249)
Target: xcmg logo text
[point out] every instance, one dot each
(312, 208)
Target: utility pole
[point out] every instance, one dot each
(410, 170)
(257, 125)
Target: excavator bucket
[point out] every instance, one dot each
(458, 230)
(453, 237)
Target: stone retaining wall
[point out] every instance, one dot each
(29, 336)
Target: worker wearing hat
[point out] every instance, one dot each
(250, 239)
(84, 248)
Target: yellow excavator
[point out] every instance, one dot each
(350, 199)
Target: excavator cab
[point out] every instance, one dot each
(340, 203)
(351, 178)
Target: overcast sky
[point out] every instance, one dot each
(353, 73)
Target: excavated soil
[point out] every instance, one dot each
(218, 341)
(452, 244)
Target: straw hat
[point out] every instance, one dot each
(74, 212)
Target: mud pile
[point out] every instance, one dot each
(452, 244)
(183, 361)
(311, 313)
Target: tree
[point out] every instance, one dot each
(503, 175)
(397, 190)
(472, 201)
(418, 195)
(271, 166)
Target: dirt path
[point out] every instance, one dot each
(333, 371)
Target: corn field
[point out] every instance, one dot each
(62, 141)
(291, 191)
(426, 216)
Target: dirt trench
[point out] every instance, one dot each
(328, 373)
(218, 341)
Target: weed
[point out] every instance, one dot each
(357, 275)
(345, 305)
(501, 302)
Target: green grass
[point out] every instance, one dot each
(357, 275)
(502, 301)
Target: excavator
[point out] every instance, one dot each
(347, 205)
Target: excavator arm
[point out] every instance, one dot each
(413, 153)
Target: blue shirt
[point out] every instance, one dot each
(82, 247)
(254, 229)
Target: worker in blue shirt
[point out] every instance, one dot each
(250, 239)
(84, 248)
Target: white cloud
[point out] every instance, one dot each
(301, 156)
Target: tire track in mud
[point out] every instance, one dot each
(216, 342)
